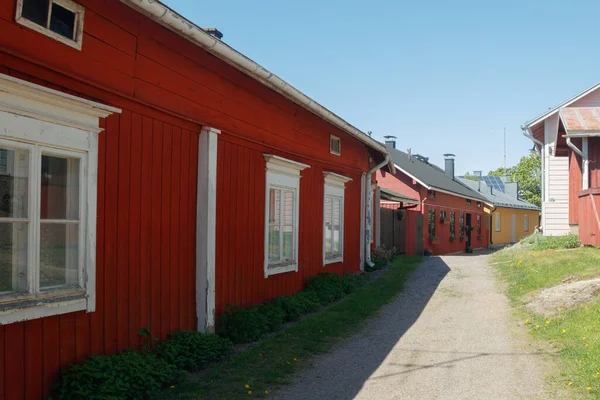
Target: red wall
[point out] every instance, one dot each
(401, 183)
(589, 229)
(168, 88)
(574, 183)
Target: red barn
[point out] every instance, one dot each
(149, 176)
(449, 214)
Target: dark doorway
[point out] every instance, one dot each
(469, 229)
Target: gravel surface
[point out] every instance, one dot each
(450, 335)
(563, 297)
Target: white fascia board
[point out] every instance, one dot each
(413, 177)
(567, 103)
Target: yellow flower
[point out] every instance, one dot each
(537, 327)
(589, 388)
(597, 373)
(547, 322)
(564, 331)
(295, 359)
(570, 383)
(520, 262)
(172, 387)
(526, 321)
(583, 338)
(289, 362)
(260, 354)
(247, 386)
(266, 392)
(250, 392)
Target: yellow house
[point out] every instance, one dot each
(510, 218)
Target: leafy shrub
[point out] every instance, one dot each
(351, 282)
(129, 375)
(274, 314)
(531, 239)
(189, 350)
(296, 305)
(557, 242)
(241, 325)
(328, 287)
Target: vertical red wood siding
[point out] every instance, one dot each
(147, 172)
(575, 183)
(589, 226)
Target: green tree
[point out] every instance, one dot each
(528, 174)
(471, 177)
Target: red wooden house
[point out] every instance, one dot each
(149, 176)
(567, 137)
(450, 215)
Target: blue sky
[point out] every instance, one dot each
(441, 76)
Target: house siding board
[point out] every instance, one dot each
(146, 233)
(589, 229)
(575, 184)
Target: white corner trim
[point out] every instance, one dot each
(206, 210)
(334, 179)
(31, 100)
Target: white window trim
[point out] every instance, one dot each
(282, 173)
(335, 153)
(69, 5)
(334, 185)
(497, 226)
(32, 116)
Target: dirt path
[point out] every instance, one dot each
(451, 335)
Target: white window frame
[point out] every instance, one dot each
(334, 187)
(497, 217)
(526, 223)
(333, 138)
(282, 174)
(77, 9)
(46, 121)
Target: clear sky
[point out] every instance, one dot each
(441, 76)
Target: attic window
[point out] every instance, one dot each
(431, 194)
(62, 20)
(335, 146)
(468, 202)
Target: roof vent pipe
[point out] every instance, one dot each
(449, 164)
(409, 154)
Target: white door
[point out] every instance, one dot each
(513, 228)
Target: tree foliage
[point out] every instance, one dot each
(528, 174)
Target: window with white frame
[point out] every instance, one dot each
(497, 221)
(526, 223)
(47, 201)
(333, 217)
(281, 214)
(3, 161)
(61, 20)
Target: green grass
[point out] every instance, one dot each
(271, 363)
(576, 332)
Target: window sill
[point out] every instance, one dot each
(328, 261)
(32, 308)
(280, 269)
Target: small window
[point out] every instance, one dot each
(333, 218)
(526, 223)
(61, 20)
(443, 216)
(431, 223)
(497, 221)
(281, 214)
(431, 194)
(335, 145)
(452, 224)
(3, 161)
(468, 202)
(479, 225)
(461, 223)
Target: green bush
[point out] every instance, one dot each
(557, 242)
(129, 375)
(241, 325)
(531, 239)
(191, 350)
(296, 305)
(274, 314)
(327, 287)
(352, 282)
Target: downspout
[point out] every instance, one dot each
(369, 208)
(584, 160)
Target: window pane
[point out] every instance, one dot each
(60, 188)
(36, 11)
(13, 257)
(59, 255)
(337, 225)
(62, 21)
(328, 226)
(274, 243)
(14, 180)
(288, 225)
(274, 204)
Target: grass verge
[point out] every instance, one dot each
(272, 362)
(575, 332)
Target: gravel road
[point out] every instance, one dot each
(450, 335)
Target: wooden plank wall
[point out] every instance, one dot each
(145, 248)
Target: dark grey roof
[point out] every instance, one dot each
(393, 196)
(498, 198)
(431, 175)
